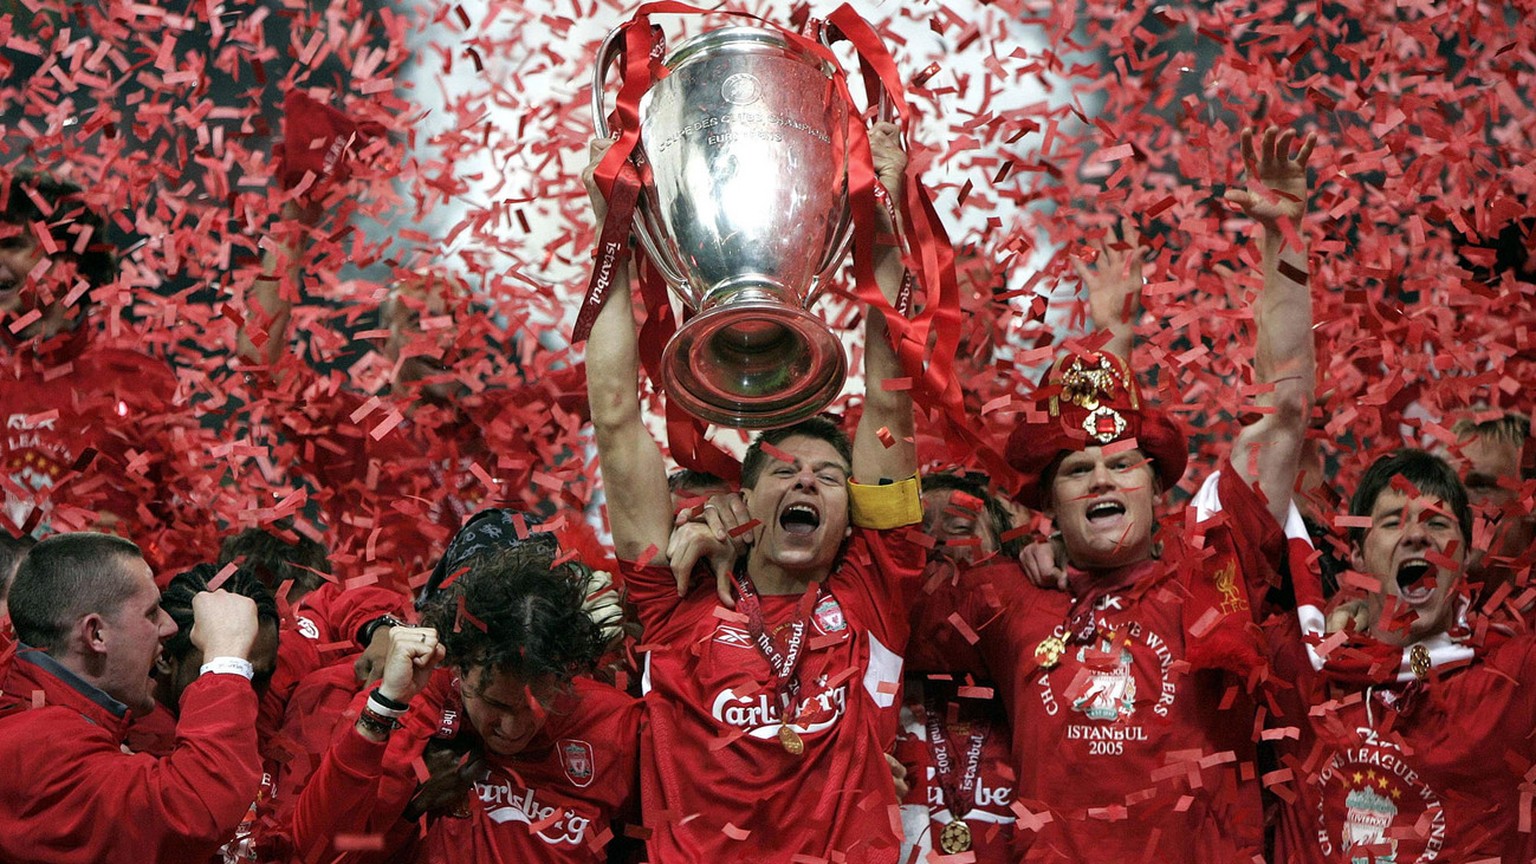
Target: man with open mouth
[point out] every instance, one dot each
(769, 722)
(1132, 736)
(1409, 730)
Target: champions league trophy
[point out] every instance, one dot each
(743, 210)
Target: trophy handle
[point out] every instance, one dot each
(643, 230)
(605, 55)
(885, 112)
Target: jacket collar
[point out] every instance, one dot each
(63, 687)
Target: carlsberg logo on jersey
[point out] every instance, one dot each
(504, 805)
(995, 797)
(760, 716)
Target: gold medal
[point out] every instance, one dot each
(1418, 661)
(791, 740)
(1050, 649)
(955, 838)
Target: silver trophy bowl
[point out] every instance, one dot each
(743, 210)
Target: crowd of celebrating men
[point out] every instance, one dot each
(841, 658)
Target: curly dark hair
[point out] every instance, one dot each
(176, 600)
(515, 612)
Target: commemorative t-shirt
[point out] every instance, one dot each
(91, 430)
(1437, 770)
(1123, 750)
(717, 782)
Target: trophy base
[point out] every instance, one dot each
(753, 365)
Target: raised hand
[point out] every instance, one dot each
(1277, 181)
(595, 153)
(223, 624)
(1114, 281)
(413, 653)
(1042, 562)
(604, 606)
(890, 160)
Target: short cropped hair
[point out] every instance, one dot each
(516, 612)
(1511, 428)
(64, 211)
(176, 600)
(685, 480)
(1425, 472)
(12, 550)
(66, 577)
(820, 428)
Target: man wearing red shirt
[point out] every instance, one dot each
(528, 761)
(1406, 741)
(1131, 735)
(768, 726)
(89, 624)
(90, 436)
(956, 742)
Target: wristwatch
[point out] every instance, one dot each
(365, 632)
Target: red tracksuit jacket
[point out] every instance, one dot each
(71, 794)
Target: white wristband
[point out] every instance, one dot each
(383, 710)
(228, 666)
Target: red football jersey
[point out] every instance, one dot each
(717, 782)
(553, 803)
(928, 807)
(1123, 752)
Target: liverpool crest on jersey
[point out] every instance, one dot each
(576, 759)
(829, 615)
(1111, 691)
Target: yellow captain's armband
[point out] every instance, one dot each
(889, 506)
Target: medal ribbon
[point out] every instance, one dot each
(959, 794)
(785, 662)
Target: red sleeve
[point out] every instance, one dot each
(341, 797)
(104, 806)
(886, 567)
(317, 708)
(652, 591)
(343, 611)
(1257, 539)
(362, 786)
(206, 786)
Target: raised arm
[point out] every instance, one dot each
(1269, 450)
(269, 304)
(634, 476)
(885, 409)
(1113, 284)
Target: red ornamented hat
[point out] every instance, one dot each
(1091, 399)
